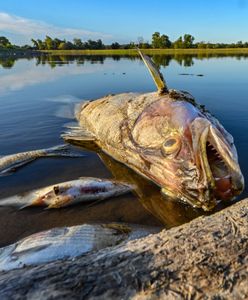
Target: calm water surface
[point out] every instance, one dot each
(37, 99)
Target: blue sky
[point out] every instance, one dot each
(124, 21)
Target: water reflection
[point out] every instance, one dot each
(168, 211)
(186, 60)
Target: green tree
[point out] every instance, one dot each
(49, 43)
(115, 45)
(4, 42)
(35, 43)
(69, 45)
(159, 42)
(41, 45)
(62, 46)
(156, 40)
(178, 44)
(201, 45)
(99, 44)
(56, 43)
(131, 45)
(239, 44)
(188, 40)
(164, 41)
(78, 43)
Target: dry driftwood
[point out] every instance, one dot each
(204, 259)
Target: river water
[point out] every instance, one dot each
(37, 99)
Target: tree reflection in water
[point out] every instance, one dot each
(186, 60)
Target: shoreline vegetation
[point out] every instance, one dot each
(120, 52)
(159, 44)
(146, 51)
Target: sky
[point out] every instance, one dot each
(124, 21)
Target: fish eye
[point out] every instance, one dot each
(171, 146)
(56, 190)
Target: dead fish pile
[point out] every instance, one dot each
(67, 243)
(10, 163)
(68, 193)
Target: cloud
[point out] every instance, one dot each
(25, 29)
(29, 76)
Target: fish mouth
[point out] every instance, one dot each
(220, 176)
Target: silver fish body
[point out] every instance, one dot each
(9, 163)
(84, 189)
(67, 243)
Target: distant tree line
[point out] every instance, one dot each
(158, 41)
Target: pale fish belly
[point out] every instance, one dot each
(67, 243)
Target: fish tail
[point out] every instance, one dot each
(62, 150)
(58, 148)
(13, 201)
(19, 202)
(49, 207)
(24, 206)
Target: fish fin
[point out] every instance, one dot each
(78, 133)
(80, 137)
(156, 74)
(48, 207)
(25, 206)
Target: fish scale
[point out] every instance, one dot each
(68, 242)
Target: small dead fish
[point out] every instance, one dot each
(9, 163)
(67, 243)
(84, 189)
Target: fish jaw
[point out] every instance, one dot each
(220, 177)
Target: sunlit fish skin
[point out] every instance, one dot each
(67, 243)
(166, 137)
(10, 163)
(68, 193)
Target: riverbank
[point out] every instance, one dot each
(148, 51)
(125, 52)
(18, 53)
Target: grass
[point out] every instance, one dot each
(224, 51)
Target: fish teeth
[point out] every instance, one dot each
(228, 191)
(220, 178)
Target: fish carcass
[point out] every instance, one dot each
(68, 243)
(166, 137)
(9, 163)
(84, 189)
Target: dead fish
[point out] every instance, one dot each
(10, 163)
(68, 243)
(166, 137)
(84, 189)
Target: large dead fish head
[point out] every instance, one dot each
(186, 151)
